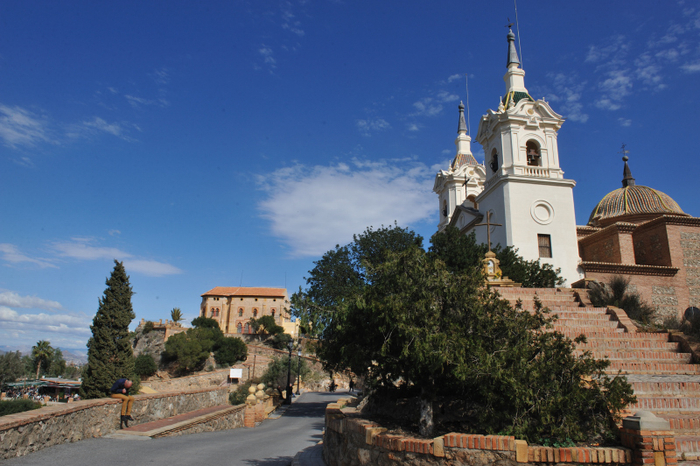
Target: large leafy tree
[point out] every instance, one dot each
(42, 354)
(461, 252)
(110, 354)
(418, 325)
(11, 367)
(342, 273)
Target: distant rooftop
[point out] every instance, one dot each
(246, 291)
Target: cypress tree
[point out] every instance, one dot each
(110, 355)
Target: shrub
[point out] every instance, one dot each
(617, 293)
(147, 327)
(17, 406)
(238, 397)
(145, 365)
(230, 351)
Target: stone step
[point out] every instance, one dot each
(602, 344)
(667, 404)
(683, 423)
(580, 315)
(689, 446)
(666, 388)
(587, 323)
(573, 332)
(652, 368)
(642, 356)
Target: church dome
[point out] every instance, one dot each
(633, 204)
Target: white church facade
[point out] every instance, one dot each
(520, 189)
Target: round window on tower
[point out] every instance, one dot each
(542, 212)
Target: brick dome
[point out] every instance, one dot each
(633, 204)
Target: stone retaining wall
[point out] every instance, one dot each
(190, 382)
(351, 441)
(232, 418)
(26, 432)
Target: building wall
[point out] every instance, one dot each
(652, 246)
(233, 313)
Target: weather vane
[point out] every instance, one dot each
(624, 152)
(510, 24)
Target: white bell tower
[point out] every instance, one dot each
(525, 189)
(458, 186)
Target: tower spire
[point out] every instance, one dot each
(462, 127)
(513, 59)
(627, 179)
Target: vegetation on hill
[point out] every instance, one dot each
(617, 292)
(17, 406)
(110, 356)
(413, 326)
(190, 349)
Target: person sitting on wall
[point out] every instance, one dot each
(120, 390)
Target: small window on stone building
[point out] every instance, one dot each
(247, 329)
(272, 312)
(240, 312)
(545, 245)
(533, 153)
(239, 328)
(255, 312)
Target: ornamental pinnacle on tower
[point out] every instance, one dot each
(463, 143)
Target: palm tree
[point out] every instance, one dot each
(176, 314)
(42, 352)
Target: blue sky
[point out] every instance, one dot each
(233, 143)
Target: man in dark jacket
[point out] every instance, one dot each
(120, 390)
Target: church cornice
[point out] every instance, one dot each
(671, 220)
(494, 182)
(629, 269)
(619, 227)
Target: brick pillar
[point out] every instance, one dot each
(650, 438)
(249, 416)
(259, 412)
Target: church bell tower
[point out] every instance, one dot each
(525, 189)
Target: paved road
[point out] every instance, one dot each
(274, 442)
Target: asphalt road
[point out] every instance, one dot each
(274, 442)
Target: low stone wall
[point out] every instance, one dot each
(26, 432)
(351, 441)
(190, 382)
(232, 418)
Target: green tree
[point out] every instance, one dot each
(176, 315)
(57, 366)
(443, 333)
(110, 355)
(276, 373)
(145, 365)
(341, 273)
(461, 252)
(230, 351)
(11, 367)
(42, 353)
(191, 348)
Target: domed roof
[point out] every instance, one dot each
(641, 202)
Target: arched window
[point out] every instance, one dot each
(240, 312)
(247, 328)
(533, 153)
(255, 312)
(239, 328)
(272, 312)
(444, 208)
(494, 161)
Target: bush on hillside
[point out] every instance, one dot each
(17, 406)
(145, 365)
(230, 351)
(617, 292)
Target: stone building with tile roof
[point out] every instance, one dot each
(233, 307)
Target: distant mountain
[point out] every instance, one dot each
(75, 356)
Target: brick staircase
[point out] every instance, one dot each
(662, 377)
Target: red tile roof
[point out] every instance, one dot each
(246, 291)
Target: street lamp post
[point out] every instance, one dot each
(289, 388)
(298, 368)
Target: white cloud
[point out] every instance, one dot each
(150, 267)
(693, 67)
(82, 249)
(268, 57)
(567, 93)
(454, 77)
(65, 330)
(161, 76)
(368, 126)
(12, 254)
(101, 125)
(11, 299)
(625, 122)
(20, 127)
(311, 209)
(427, 107)
(413, 127)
